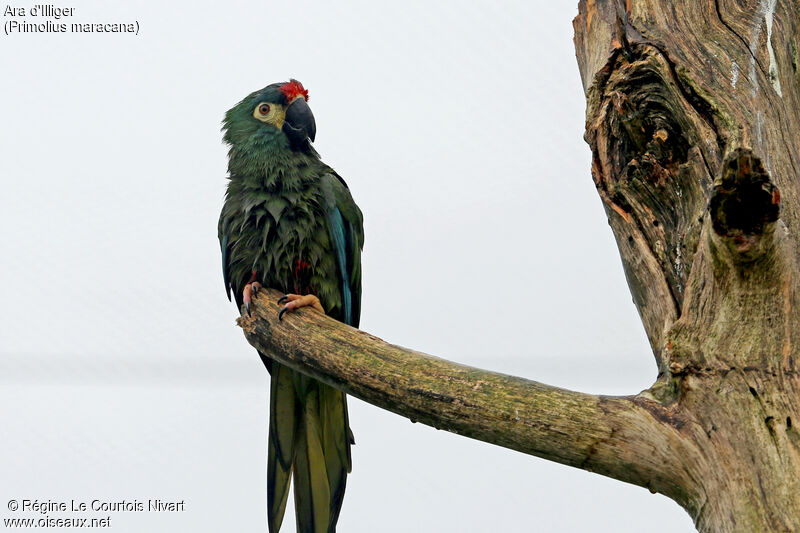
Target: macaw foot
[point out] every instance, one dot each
(296, 301)
(250, 290)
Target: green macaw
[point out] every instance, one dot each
(289, 223)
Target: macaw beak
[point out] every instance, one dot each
(299, 123)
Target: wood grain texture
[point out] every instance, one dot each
(620, 437)
(692, 118)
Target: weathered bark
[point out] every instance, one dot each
(621, 437)
(693, 118)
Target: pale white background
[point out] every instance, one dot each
(459, 129)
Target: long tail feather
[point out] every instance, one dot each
(281, 448)
(312, 495)
(309, 440)
(336, 439)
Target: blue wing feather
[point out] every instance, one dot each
(338, 232)
(225, 277)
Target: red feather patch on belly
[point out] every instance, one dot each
(302, 277)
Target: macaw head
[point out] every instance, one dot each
(278, 112)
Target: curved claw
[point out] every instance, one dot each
(247, 296)
(297, 301)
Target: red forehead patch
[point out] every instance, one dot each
(293, 89)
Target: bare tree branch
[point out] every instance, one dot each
(628, 438)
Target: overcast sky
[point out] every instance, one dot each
(458, 127)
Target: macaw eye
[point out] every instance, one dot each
(263, 109)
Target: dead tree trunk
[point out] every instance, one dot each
(693, 119)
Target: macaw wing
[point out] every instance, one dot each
(346, 232)
(225, 249)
